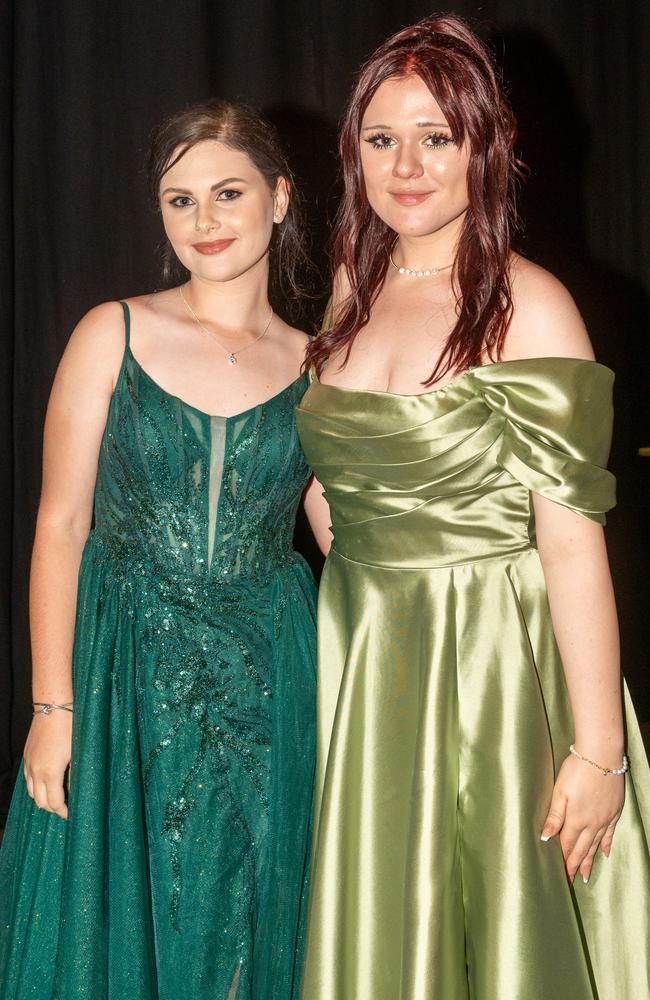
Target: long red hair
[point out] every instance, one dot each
(460, 73)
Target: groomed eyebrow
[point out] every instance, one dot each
(214, 187)
(367, 128)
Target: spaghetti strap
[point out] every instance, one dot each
(127, 345)
(127, 324)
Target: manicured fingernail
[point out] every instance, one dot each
(545, 837)
(585, 879)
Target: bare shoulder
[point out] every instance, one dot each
(96, 346)
(155, 304)
(545, 319)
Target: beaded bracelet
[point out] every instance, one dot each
(45, 708)
(605, 770)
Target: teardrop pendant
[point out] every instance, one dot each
(232, 360)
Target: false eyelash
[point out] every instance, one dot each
(447, 140)
(372, 139)
(443, 139)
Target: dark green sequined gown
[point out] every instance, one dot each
(181, 873)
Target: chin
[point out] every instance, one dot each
(409, 222)
(219, 270)
(415, 227)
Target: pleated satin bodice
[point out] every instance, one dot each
(453, 468)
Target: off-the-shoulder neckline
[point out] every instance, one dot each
(457, 381)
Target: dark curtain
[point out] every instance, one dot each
(84, 82)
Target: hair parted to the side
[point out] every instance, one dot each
(241, 128)
(460, 73)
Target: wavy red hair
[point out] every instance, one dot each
(460, 73)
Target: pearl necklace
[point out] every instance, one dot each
(425, 273)
(231, 355)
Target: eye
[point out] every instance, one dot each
(182, 201)
(436, 140)
(380, 141)
(228, 194)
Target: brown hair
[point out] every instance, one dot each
(238, 127)
(458, 70)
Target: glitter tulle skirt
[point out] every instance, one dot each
(187, 839)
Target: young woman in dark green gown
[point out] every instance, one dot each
(170, 860)
(467, 633)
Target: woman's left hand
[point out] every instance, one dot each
(585, 808)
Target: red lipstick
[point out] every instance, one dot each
(216, 246)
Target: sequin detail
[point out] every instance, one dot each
(191, 597)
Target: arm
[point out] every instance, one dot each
(586, 804)
(75, 421)
(318, 515)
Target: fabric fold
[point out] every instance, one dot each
(557, 431)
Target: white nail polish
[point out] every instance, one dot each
(585, 879)
(545, 837)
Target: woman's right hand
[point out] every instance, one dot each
(47, 756)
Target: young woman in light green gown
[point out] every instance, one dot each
(175, 868)
(467, 633)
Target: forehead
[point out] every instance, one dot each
(402, 100)
(208, 162)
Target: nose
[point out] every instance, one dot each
(206, 218)
(407, 163)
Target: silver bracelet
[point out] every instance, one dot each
(605, 770)
(45, 708)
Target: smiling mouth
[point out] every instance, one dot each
(216, 246)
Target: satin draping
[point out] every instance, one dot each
(443, 710)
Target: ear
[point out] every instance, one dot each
(281, 198)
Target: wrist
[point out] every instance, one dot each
(49, 707)
(621, 768)
(607, 743)
(52, 698)
(610, 759)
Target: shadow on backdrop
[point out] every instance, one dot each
(555, 142)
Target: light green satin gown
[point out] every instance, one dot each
(443, 709)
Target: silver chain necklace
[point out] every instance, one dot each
(231, 356)
(424, 273)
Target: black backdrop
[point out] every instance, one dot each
(83, 83)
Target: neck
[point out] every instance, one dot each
(436, 249)
(239, 304)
